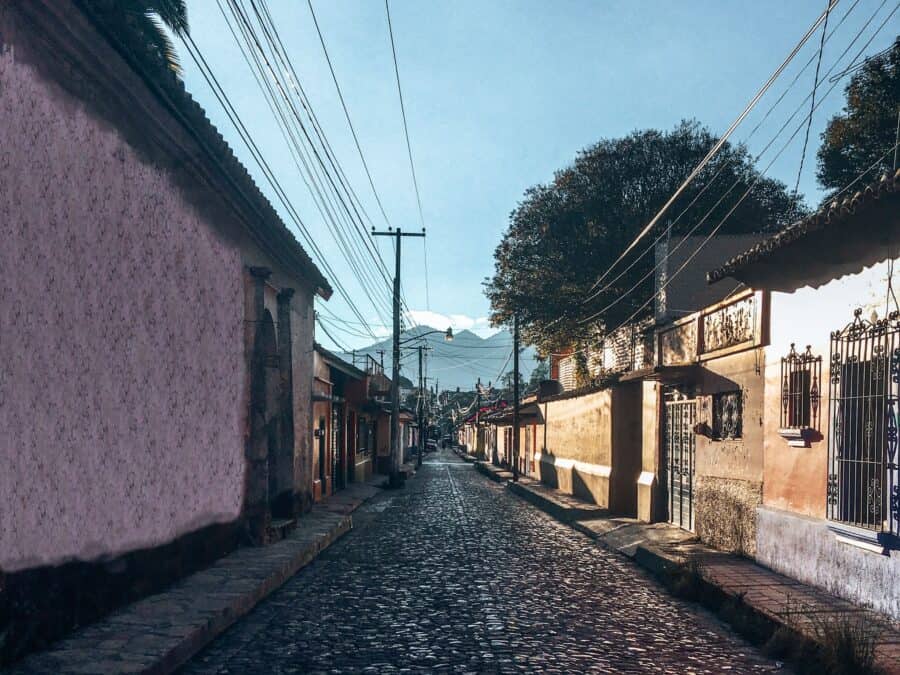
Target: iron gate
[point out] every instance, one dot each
(680, 449)
(863, 472)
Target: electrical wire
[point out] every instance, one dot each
(246, 137)
(813, 103)
(347, 115)
(669, 253)
(715, 149)
(412, 166)
(713, 179)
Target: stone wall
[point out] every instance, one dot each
(726, 513)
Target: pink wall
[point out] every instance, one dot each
(121, 356)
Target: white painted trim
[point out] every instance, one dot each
(646, 478)
(864, 545)
(600, 470)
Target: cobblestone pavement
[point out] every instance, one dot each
(454, 574)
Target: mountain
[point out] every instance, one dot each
(453, 364)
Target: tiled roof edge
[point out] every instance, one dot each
(834, 211)
(157, 74)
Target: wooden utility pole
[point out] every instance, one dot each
(515, 452)
(395, 479)
(421, 411)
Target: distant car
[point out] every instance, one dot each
(431, 445)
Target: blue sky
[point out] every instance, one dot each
(499, 94)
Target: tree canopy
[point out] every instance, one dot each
(866, 129)
(142, 21)
(564, 234)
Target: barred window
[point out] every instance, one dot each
(727, 414)
(864, 471)
(801, 374)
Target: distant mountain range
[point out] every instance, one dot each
(453, 364)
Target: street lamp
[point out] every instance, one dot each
(396, 453)
(448, 335)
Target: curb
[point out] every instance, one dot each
(158, 634)
(562, 513)
(662, 564)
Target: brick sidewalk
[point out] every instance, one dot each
(661, 547)
(161, 632)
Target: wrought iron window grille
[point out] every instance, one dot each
(801, 377)
(728, 411)
(864, 386)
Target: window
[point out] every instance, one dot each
(801, 374)
(727, 414)
(863, 470)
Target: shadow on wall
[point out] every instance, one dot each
(41, 605)
(547, 472)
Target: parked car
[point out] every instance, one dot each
(431, 445)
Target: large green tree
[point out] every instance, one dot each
(141, 22)
(864, 133)
(563, 235)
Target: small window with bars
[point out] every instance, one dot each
(728, 410)
(801, 374)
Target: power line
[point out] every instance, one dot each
(347, 114)
(685, 263)
(669, 253)
(813, 103)
(231, 113)
(412, 166)
(715, 149)
(715, 176)
(321, 196)
(294, 144)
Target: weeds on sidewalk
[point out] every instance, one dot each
(838, 643)
(812, 642)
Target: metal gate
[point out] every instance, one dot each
(680, 449)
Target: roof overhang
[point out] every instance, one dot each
(841, 239)
(675, 373)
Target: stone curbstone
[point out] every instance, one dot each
(267, 568)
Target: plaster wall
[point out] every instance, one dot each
(728, 486)
(805, 549)
(123, 410)
(592, 446)
(649, 500)
(795, 478)
(302, 336)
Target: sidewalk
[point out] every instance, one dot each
(666, 550)
(161, 632)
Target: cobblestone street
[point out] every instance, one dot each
(454, 574)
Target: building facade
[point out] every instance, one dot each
(830, 507)
(156, 392)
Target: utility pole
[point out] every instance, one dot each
(477, 412)
(421, 412)
(515, 452)
(395, 479)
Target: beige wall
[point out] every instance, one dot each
(729, 472)
(650, 506)
(592, 446)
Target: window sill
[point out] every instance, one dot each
(799, 437)
(881, 543)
